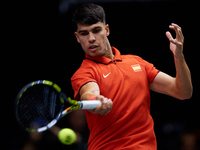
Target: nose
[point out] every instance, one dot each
(91, 38)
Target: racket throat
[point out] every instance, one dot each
(51, 124)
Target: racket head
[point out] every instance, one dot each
(39, 105)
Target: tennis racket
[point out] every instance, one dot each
(40, 104)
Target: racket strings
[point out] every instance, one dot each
(38, 106)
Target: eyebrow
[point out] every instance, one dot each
(87, 30)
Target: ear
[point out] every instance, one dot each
(76, 35)
(107, 30)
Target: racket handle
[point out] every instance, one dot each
(89, 104)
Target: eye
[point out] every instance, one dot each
(97, 30)
(84, 33)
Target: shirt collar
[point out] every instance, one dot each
(106, 60)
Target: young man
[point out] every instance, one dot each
(122, 83)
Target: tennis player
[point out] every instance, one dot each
(122, 83)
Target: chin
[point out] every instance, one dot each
(96, 53)
(92, 54)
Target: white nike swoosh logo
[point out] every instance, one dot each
(105, 76)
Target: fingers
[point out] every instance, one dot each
(175, 27)
(106, 104)
(178, 30)
(174, 41)
(103, 108)
(176, 45)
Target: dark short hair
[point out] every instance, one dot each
(88, 14)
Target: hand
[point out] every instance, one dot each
(103, 108)
(176, 45)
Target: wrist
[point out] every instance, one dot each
(180, 56)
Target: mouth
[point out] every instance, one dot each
(92, 48)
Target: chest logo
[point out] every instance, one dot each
(136, 67)
(105, 76)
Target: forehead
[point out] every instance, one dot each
(85, 27)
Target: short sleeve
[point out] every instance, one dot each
(151, 71)
(82, 76)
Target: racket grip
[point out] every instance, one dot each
(89, 104)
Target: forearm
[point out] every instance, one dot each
(183, 78)
(182, 85)
(88, 90)
(87, 96)
(92, 89)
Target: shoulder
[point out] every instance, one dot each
(87, 64)
(138, 61)
(130, 56)
(149, 68)
(134, 58)
(86, 73)
(87, 68)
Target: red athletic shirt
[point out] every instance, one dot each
(125, 80)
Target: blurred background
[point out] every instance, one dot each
(39, 43)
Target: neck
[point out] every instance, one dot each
(109, 53)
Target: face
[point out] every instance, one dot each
(93, 39)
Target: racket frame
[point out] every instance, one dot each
(63, 98)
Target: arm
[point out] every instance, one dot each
(181, 86)
(92, 89)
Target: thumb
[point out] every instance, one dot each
(101, 98)
(169, 36)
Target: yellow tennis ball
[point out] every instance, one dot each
(67, 136)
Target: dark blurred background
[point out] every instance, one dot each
(38, 42)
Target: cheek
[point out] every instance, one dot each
(104, 39)
(101, 38)
(83, 43)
